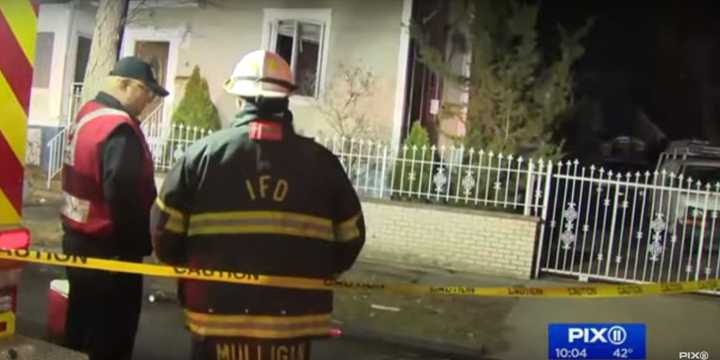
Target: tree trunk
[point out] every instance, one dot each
(104, 51)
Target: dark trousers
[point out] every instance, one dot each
(103, 313)
(229, 348)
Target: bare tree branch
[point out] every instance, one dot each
(341, 103)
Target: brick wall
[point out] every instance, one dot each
(460, 239)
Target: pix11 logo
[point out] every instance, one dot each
(596, 341)
(698, 355)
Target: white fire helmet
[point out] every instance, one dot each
(261, 74)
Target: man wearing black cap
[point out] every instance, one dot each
(108, 186)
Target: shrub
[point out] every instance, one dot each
(413, 164)
(196, 108)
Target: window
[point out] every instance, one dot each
(704, 174)
(81, 58)
(43, 59)
(299, 36)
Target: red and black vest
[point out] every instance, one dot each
(85, 209)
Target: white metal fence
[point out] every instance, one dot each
(55, 150)
(631, 227)
(594, 223)
(450, 175)
(56, 145)
(168, 143)
(75, 100)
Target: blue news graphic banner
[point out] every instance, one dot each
(596, 341)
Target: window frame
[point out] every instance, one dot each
(79, 36)
(47, 84)
(319, 16)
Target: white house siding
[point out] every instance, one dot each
(83, 24)
(365, 33)
(49, 106)
(45, 105)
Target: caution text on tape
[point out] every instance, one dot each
(594, 291)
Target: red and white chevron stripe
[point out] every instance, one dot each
(18, 23)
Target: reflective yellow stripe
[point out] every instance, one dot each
(258, 326)
(262, 319)
(175, 226)
(262, 222)
(258, 333)
(170, 211)
(176, 219)
(246, 215)
(261, 229)
(348, 229)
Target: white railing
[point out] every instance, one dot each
(154, 131)
(594, 223)
(171, 142)
(56, 145)
(630, 227)
(75, 100)
(452, 175)
(152, 124)
(56, 151)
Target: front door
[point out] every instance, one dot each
(156, 54)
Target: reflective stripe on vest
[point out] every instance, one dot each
(258, 326)
(176, 221)
(267, 222)
(348, 229)
(75, 209)
(75, 128)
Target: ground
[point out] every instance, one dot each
(41, 206)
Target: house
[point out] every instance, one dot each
(64, 35)
(317, 37)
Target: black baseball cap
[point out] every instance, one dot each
(134, 68)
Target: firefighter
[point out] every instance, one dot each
(109, 187)
(257, 198)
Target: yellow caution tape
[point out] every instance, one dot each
(594, 291)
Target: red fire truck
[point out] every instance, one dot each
(18, 20)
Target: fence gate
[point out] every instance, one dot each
(629, 227)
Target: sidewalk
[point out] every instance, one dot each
(474, 328)
(21, 347)
(507, 328)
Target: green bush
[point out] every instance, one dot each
(196, 108)
(403, 183)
